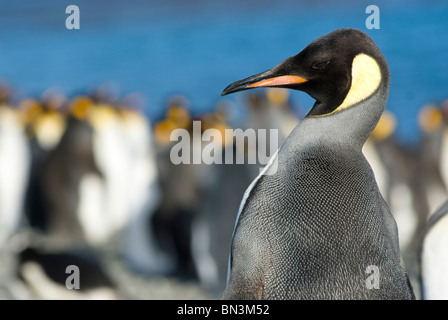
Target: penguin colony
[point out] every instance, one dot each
(88, 181)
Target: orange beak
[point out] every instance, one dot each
(278, 81)
(268, 78)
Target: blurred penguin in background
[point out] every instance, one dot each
(432, 153)
(140, 247)
(120, 194)
(14, 166)
(432, 171)
(14, 170)
(62, 176)
(110, 151)
(45, 118)
(397, 177)
(180, 190)
(45, 125)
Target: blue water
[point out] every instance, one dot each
(198, 47)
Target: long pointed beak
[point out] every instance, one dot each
(264, 79)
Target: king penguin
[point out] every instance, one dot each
(61, 182)
(313, 224)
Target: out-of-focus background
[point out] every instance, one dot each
(86, 115)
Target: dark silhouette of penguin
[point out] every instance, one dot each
(180, 193)
(45, 125)
(60, 181)
(313, 224)
(433, 256)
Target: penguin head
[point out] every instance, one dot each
(385, 127)
(430, 118)
(339, 70)
(80, 107)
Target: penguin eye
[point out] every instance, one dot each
(320, 65)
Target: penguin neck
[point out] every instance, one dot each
(349, 127)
